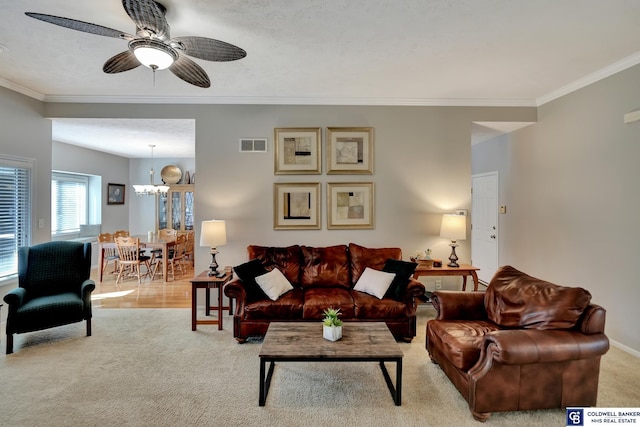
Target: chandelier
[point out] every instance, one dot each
(151, 189)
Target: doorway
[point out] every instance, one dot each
(484, 224)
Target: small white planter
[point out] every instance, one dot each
(332, 333)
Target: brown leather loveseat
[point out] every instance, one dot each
(323, 277)
(524, 344)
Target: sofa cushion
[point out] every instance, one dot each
(460, 340)
(274, 284)
(517, 300)
(325, 267)
(286, 259)
(316, 300)
(404, 271)
(362, 257)
(374, 282)
(287, 307)
(248, 272)
(369, 307)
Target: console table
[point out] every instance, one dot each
(204, 281)
(464, 270)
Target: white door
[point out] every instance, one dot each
(484, 224)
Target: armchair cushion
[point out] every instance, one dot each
(461, 340)
(517, 300)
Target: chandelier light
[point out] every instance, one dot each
(151, 189)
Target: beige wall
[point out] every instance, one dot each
(422, 169)
(570, 183)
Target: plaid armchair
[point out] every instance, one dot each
(54, 288)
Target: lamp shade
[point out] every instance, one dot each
(454, 227)
(213, 233)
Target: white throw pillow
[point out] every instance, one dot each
(274, 284)
(374, 282)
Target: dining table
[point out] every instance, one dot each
(145, 242)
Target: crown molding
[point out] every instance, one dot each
(21, 89)
(291, 101)
(616, 67)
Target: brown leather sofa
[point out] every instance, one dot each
(524, 344)
(322, 277)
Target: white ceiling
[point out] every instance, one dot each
(353, 52)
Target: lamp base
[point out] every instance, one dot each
(213, 267)
(453, 258)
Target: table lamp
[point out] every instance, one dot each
(454, 228)
(213, 233)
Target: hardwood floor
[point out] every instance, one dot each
(149, 294)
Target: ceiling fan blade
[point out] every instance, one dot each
(190, 72)
(209, 49)
(148, 16)
(123, 61)
(86, 27)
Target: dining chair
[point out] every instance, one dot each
(174, 258)
(130, 258)
(189, 247)
(120, 233)
(109, 254)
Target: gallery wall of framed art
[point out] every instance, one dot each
(298, 151)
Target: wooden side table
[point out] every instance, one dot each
(204, 281)
(464, 270)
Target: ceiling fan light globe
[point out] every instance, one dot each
(153, 54)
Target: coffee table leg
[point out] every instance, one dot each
(265, 383)
(262, 396)
(396, 392)
(399, 382)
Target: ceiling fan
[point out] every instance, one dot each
(152, 46)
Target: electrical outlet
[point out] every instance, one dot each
(438, 284)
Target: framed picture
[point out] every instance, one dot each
(115, 194)
(296, 206)
(350, 151)
(350, 205)
(297, 151)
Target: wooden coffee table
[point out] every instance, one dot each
(303, 342)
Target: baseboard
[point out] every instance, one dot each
(625, 348)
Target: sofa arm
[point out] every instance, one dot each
(526, 346)
(15, 298)
(413, 290)
(459, 305)
(235, 289)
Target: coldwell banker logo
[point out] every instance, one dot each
(575, 417)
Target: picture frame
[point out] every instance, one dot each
(115, 194)
(297, 151)
(350, 150)
(350, 205)
(296, 206)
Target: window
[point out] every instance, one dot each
(69, 202)
(15, 212)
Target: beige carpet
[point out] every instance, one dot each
(145, 367)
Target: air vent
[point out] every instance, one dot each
(253, 145)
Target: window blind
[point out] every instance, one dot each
(15, 212)
(68, 202)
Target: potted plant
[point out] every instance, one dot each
(331, 324)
